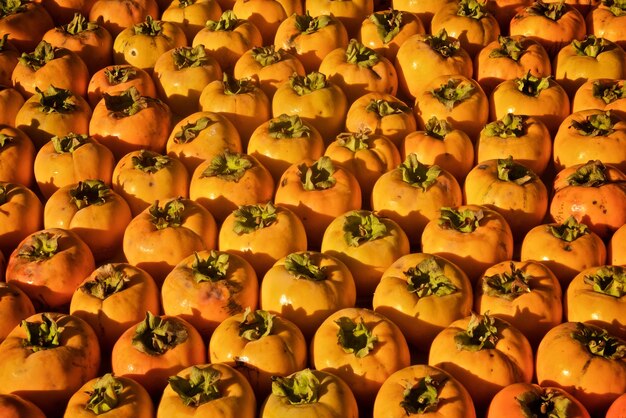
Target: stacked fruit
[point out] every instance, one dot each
(424, 204)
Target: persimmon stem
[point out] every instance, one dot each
(105, 394)
(299, 388)
(200, 387)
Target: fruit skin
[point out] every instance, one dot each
(11, 101)
(12, 406)
(117, 15)
(351, 13)
(14, 306)
(16, 155)
(409, 25)
(21, 213)
(27, 27)
(618, 408)
(191, 16)
(100, 83)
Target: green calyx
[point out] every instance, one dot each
(419, 175)
(318, 176)
(43, 246)
(617, 7)
(6, 140)
(148, 27)
(3, 194)
(308, 25)
(481, 334)
(170, 215)
(187, 57)
(509, 48)
(9, 7)
(428, 279)
(592, 174)
(591, 46)
(182, 4)
(119, 74)
(608, 90)
(105, 394)
(360, 227)
(508, 285)
(421, 397)
(510, 126)
(43, 54)
(355, 338)
(267, 55)
(570, 230)
(608, 280)
(299, 388)
(200, 387)
(78, 25)
(192, 130)
(599, 124)
(388, 24)
(89, 192)
(386, 108)
(599, 342)
(150, 161)
(288, 126)
(256, 325)
(465, 221)
(109, 280)
(4, 40)
(55, 100)
(453, 92)
(213, 268)
(547, 404)
(233, 86)
(513, 172)
(531, 85)
(472, 8)
(437, 128)
(128, 103)
(442, 44)
(307, 84)
(228, 166)
(359, 54)
(43, 335)
(228, 22)
(249, 218)
(155, 335)
(354, 141)
(68, 143)
(552, 11)
(302, 266)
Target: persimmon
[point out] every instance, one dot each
(386, 30)
(13, 406)
(617, 408)
(17, 154)
(601, 94)
(191, 15)
(21, 214)
(9, 57)
(25, 22)
(424, 9)
(267, 15)
(607, 21)
(117, 15)
(351, 13)
(505, 10)
(118, 78)
(615, 251)
(11, 101)
(15, 306)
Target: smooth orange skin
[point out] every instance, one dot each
(181, 89)
(191, 18)
(370, 259)
(469, 115)
(424, 9)
(355, 81)
(583, 6)
(206, 304)
(280, 353)
(16, 158)
(11, 101)
(287, 236)
(572, 148)
(307, 303)
(20, 216)
(278, 154)
(395, 126)
(152, 372)
(50, 283)
(90, 161)
(12, 406)
(454, 399)
(600, 208)
(237, 400)
(110, 317)
(66, 71)
(48, 378)
(100, 226)
(116, 15)
(140, 189)
(364, 375)
(411, 207)
(318, 208)
(311, 48)
(564, 259)
(583, 304)
(228, 46)
(99, 85)
(9, 56)
(474, 34)
(368, 35)
(158, 251)
(531, 149)
(351, 13)
(325, 109)
(417, 64)
(491, 71)
(133, 401)
(584, 99)
(616, 254)
(602, 23)
(62, 11)
(421, 318)
(505, 404)
(504, 10)
(221, 197)
(487, 371)
(27, 28)
(219, 136)
(618, 408)
(266, 15)
(473, 252)
(566, 363)
(553, 35)
(15, 306)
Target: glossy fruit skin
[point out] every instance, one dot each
(564, 362)
(28, 27)
(364, 375)
(421, 318)
(454, 399)
(16, 157)
(191, 16)
(618, 408)
(237, 400)
(13, 406)
(20, 215)
(615, 249)
(11, 101)
(424, 9)
(15, 306)
(602, 22)
(410, 25)
(117, 15)
(99, 84)
(505, 402)
(48, 378)
(266, 15)
(350, 13)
